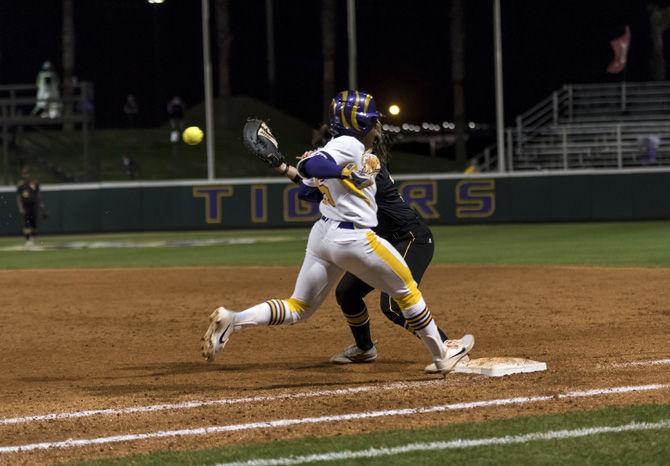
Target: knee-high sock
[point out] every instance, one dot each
(359, 324)
(354, 310)
(392, 311)
(272, 312)
(420, 320)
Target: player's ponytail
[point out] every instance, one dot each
(321, 136)
(380, 143)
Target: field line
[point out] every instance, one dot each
(453, 444)
(253, 399)
(229, 401)
(654, 362)
(279, 423)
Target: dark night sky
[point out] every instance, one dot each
(403, 51)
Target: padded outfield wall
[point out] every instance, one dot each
(638, 194)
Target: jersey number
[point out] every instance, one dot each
(327, 197)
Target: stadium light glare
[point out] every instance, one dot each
(394, 110)
(156, 2)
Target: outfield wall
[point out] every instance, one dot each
(636, 194)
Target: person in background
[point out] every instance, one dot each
(130, 167)
(650, 145)
(48, 94)
(131, 110)
(29, 203)
(471, 168)
(175, 110)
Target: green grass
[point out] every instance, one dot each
(642, 244)
(641, 447)
(153, 152)
(600, 244)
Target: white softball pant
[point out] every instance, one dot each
(332, 250)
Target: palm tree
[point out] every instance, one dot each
(659, 21)
(224, 37)
(328, 52)
(457, 36)
(68, 60)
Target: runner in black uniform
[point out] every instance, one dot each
(29, 203)
(401, 226)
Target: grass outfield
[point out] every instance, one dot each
(600, 244)
(632, 447)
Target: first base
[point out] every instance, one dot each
(497, 367)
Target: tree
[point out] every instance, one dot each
(457, 36)
(68, 60)
(224, 37)
(659, 21)
(328, 52)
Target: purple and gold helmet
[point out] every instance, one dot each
(353, 113)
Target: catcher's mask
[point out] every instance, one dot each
(353, 113)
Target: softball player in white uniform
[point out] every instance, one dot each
(342, 240)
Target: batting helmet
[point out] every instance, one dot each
(353, 113)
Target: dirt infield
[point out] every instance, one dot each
(76, 340)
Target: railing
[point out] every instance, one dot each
(18, 101)
(590, 125)
(611, 145)
(579, 103)
(21, 108)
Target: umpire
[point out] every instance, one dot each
(29, 203)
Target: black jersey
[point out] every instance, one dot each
(28, 192)
(393, 213)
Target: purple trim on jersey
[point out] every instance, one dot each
(320, 165)
(309, 193)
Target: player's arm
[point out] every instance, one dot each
(322, 166)
(289, 172)
(306, 191)
(19, 204)
(309, 193)
(319, 165)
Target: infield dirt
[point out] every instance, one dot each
(104, 338)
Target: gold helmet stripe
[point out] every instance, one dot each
(353, 113)
(345, 94)
(368, 98)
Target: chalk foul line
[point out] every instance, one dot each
(453, 444)
(655, 362)
(229, 401)
(254, 399)
(279, 423)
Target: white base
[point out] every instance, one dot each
(498, 367)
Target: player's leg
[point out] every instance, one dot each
(29, 224)
(314, 282)
(417, 252)
(317, 276)
(376, 262)
(349, 295)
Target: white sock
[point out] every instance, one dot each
(421, 321)
(273, 312)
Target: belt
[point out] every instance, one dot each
(343, 225)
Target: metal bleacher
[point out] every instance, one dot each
(590, 126)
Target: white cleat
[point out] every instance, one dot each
(354, 355)
(220, 329)
(457, 351)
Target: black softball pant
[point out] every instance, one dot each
(418, 252)
(29, 220)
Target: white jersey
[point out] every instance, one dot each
(342, 200)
